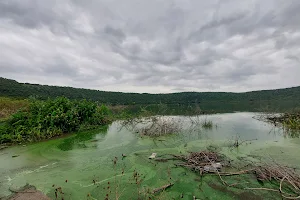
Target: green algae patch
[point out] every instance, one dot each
(86, 161)
(83, 139)
(283, 153)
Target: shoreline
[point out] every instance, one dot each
(28, 192)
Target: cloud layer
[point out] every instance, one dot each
(152, 46)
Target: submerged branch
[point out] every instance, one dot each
(157, 190)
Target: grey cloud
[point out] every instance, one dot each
(147, 46)
(294, 58)
(59, 67)
(29, 13)
(114, 33)
(210, 29)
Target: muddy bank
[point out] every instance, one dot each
(28, 192)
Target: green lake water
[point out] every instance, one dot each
(82, 164)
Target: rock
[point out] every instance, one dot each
(153, 155)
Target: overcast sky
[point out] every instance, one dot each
(154, 46)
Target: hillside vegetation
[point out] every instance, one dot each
(284, 99)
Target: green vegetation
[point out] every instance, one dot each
(269, 100)
(46, 114)
(50, 118)
(289, 121)
(293, 122)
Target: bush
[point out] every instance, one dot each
(46, 119)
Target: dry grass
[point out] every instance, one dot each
(8, 106)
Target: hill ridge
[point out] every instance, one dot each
(12, 88)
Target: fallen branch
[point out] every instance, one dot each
(268, 189)
(157, 190)
(236, 173)
(274, 190)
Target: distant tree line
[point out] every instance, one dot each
(257, 100)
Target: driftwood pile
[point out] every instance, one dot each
(203, 161)
(285, 176)
(277, 172)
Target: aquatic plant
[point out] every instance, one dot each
(197, 123)
(289, 121)
(207, 124)
(236, 141)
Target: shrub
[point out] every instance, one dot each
(46, 119)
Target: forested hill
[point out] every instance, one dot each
(12, 88)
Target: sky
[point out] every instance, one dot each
(152, 46)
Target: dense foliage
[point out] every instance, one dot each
(14, 89)
(53, 117)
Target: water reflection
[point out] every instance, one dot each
(222, 127)
(79, 140)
